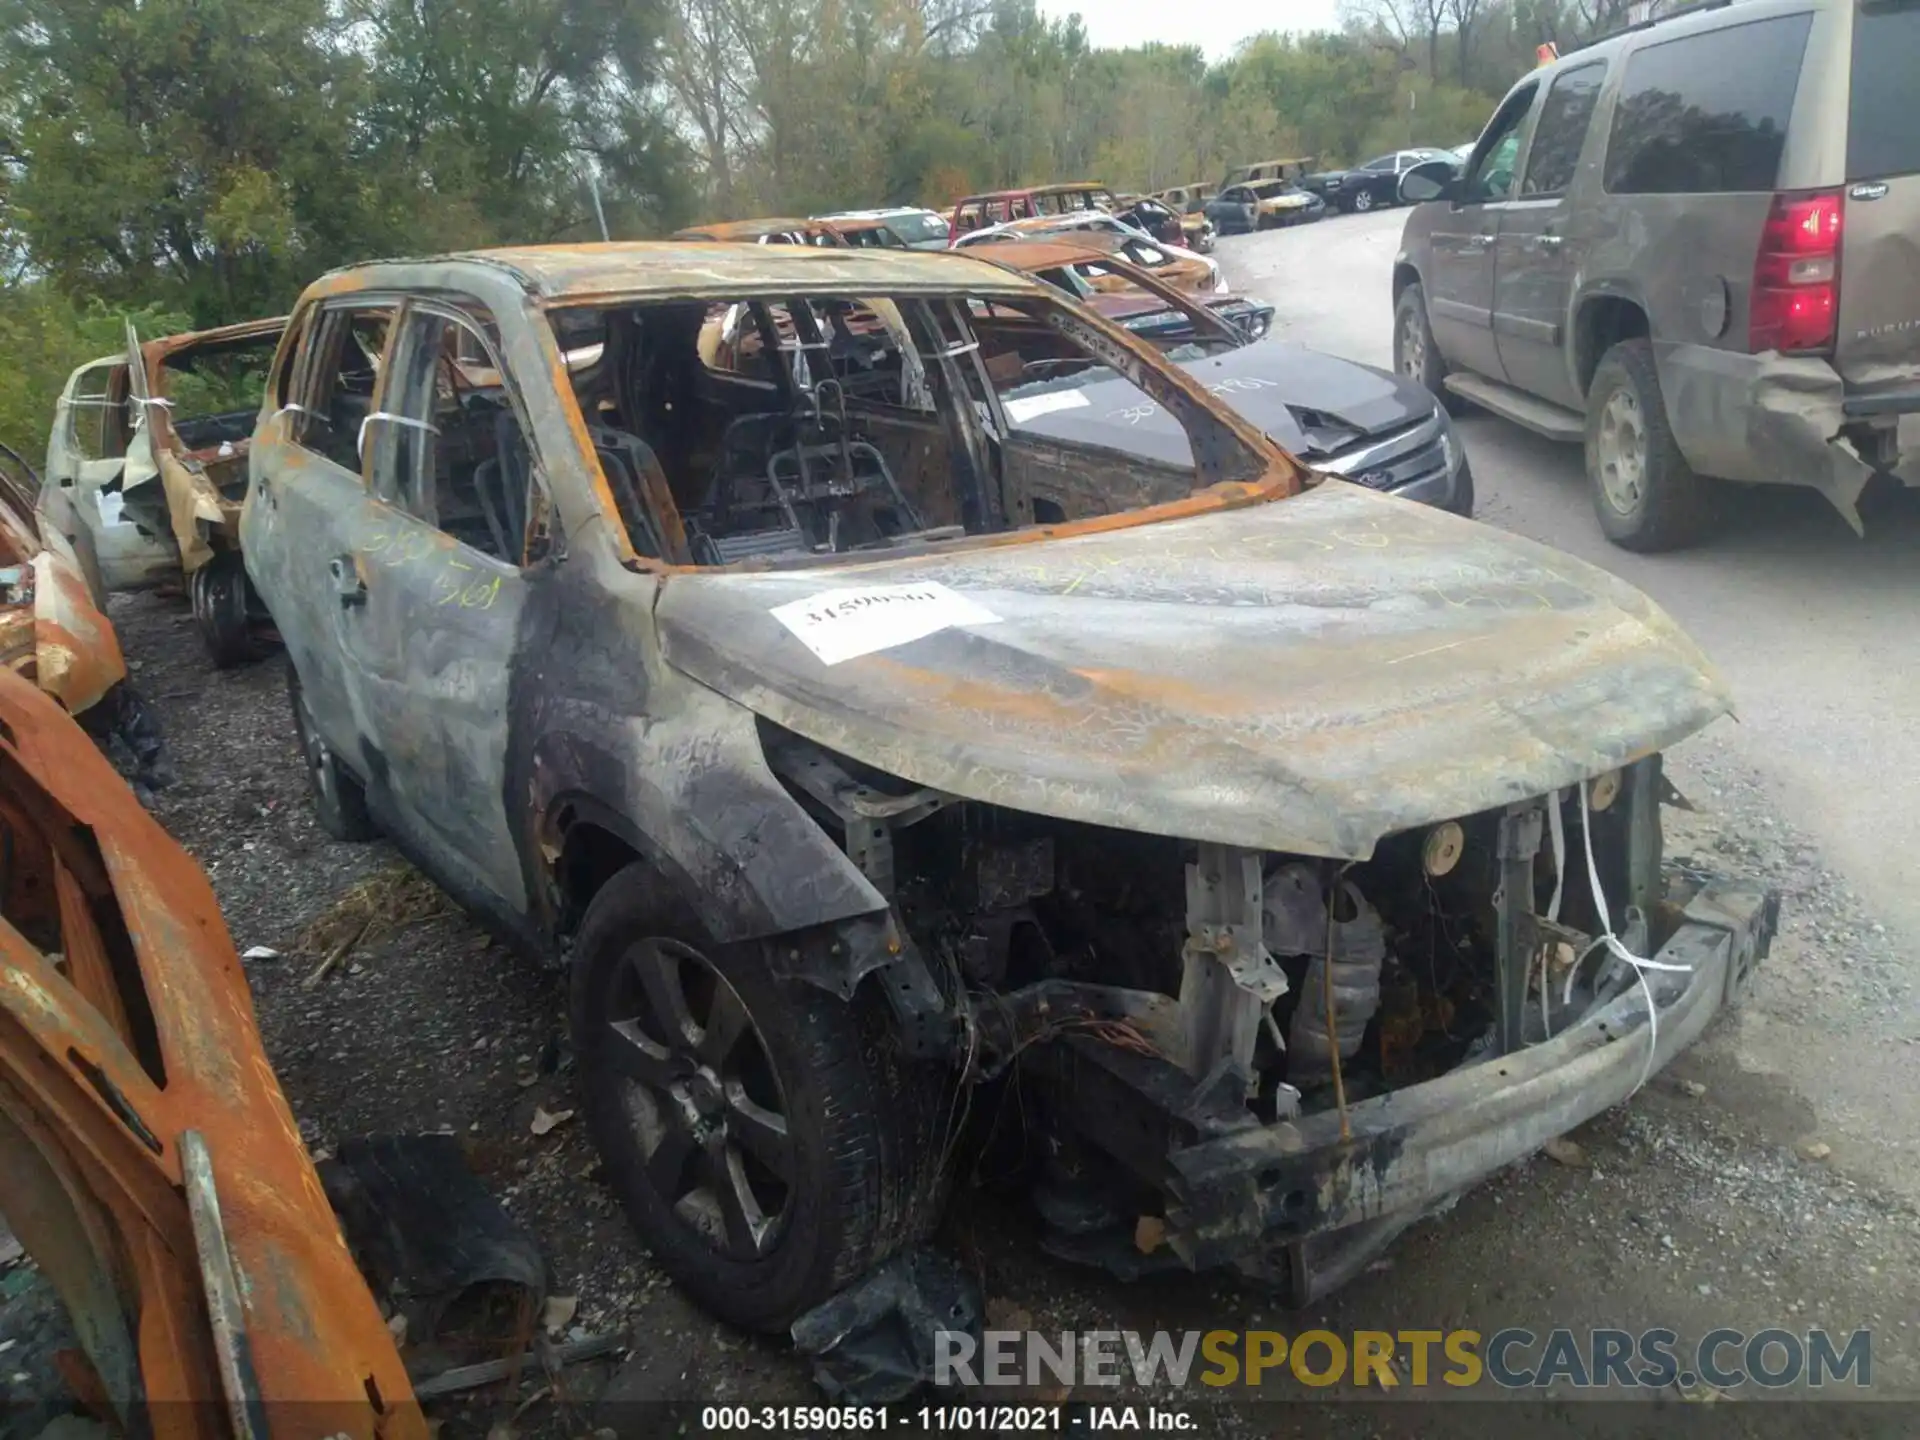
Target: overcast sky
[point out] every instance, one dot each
(1214, 25)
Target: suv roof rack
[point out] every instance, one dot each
(1647, 24)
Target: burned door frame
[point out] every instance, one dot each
(307, 502)
(430, 642)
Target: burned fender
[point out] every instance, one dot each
(671, 769)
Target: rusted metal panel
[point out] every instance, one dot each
(105, 1098)
(76, 653)
(644, 270)
(1305, 676)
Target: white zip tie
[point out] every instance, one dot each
(1613, 943)
(1557, 827)
(162, 402)
(292, 407)
(360, 440)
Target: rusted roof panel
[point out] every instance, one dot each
(638, 270)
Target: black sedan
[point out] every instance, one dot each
(1361, 424)
(1374, 184)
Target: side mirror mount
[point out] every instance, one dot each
(1429, 180)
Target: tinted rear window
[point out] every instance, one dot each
(1562, 129)
(1708, 113)
(1883, 137)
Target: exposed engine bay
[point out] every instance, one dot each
(1154, 994)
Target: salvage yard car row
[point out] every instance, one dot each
(880, 675)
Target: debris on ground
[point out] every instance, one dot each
(873, 1343)
(381, 905)
(436, 1247)
(1563, 1151)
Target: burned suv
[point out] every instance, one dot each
(1297, 846)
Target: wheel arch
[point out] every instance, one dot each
(726, 838)
(1603, 319)
(1404, 275)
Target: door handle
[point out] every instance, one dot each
(1549, 242)
(347, 583)
(1479, 242)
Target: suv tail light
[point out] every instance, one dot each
(1796, 275)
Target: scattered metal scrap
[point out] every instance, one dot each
(873, 1343)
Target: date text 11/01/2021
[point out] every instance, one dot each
(942, 1419)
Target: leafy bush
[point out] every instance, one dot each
(44, 336)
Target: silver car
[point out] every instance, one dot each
(1689, 247)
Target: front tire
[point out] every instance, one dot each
(1363, 202)
(1645, 495)
(1414, 354)
(769, 1143)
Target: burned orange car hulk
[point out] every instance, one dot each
(152, 1166)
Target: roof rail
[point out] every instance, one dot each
(1652, 20)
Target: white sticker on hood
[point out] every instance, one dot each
(841, 624)
(1034, 405)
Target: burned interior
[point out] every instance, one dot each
(788, 429)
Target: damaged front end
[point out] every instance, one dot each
(1277, 1062)
(1305, 861)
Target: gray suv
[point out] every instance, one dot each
(1691, 246)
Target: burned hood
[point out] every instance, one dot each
(1306, 675)
(1311, 404)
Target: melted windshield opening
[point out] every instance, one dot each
(778, 430)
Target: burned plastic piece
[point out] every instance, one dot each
(125, 727)
(432, 1241)
(873, 1342)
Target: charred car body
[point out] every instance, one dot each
(53, 627)
(152, 1166)
(858, 747)
(149, 447)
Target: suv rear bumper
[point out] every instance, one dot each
(1784, 420)
(1333, 1204)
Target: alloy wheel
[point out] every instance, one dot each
(1622, 451)
(703, 1097)
(1363, 202)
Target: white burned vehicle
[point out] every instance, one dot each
(1296, 845)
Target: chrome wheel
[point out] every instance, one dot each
(1621, 448)
(1363, 202)
(702, 1096)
